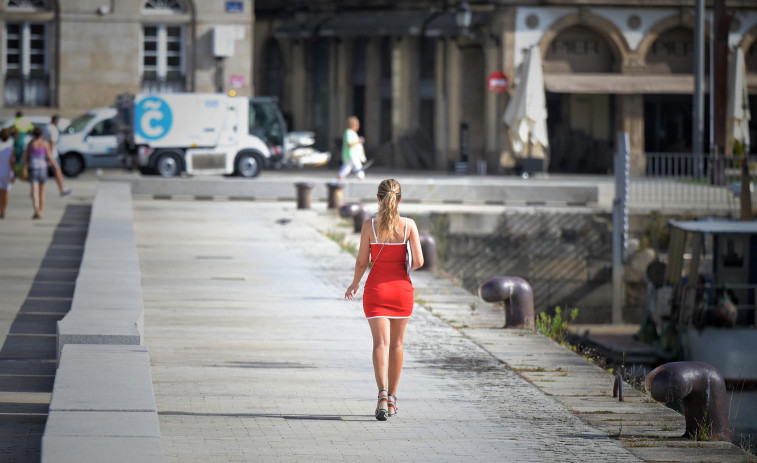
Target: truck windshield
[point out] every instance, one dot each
(79, 123)
(266, 122)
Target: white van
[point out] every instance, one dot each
(89, 141)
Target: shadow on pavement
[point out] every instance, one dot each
(28, 356)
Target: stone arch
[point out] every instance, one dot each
(662, 26)
(606, 29)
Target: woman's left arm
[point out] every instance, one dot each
(415, 245)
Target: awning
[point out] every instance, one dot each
(619, 83)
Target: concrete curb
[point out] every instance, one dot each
(103, 404)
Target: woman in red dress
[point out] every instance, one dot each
(388, 292)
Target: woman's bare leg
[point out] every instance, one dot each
(396, 351)
(41, 197)
(35, 195)
(3, 201)
(380, 333)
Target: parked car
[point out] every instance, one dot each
(89, 142)
(37, 121)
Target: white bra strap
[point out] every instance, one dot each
(404, 240)
(374, 231)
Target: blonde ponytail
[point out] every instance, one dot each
(389, 192)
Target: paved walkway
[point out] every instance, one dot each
(256, 356)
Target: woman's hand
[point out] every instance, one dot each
(351, 291)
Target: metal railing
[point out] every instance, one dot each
(686, 181)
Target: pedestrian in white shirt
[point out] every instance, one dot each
(52, 133)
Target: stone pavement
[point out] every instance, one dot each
(256, 357)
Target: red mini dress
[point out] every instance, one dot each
(388, 291)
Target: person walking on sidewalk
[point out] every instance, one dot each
(52, 134)
(353, 154)
(7, 164)
(388, 291)
(38, 156)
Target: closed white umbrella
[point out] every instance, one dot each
(526, 113)
(738, 103)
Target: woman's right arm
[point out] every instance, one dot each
(361, 262)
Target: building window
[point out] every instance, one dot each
(163, 59)
(27, 80)
(34, 5)
(165, 6)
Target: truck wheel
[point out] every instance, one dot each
(71, 164)
(249, 165)
(168, 165)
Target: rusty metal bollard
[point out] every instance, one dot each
(349, 210)
(428, 247)
(617, 388)
(518, 297)
(701, 389)
(304, 194)
(358, 214)
(335, 194)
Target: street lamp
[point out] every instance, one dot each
(463, 16)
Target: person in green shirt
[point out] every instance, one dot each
(353, 154)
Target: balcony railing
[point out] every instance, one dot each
(686, 181)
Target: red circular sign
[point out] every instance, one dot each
(497, 82)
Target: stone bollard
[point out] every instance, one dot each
(304, 194)
(428, 247)
(335, 194)
(518, 297)
(701, 389)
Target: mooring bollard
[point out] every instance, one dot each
(358, 214)
(335, 194)
(304, 194)
(617, 388)
(428, 247)
(701, 389)
(518, 297)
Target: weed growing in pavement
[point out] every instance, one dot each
(555, 327)
(339, 238)
(704, 429)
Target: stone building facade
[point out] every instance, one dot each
(414, 75)
(68, 56)
(418, 80)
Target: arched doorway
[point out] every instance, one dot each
(580, 125)
(668, 116)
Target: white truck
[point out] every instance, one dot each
(209, 133)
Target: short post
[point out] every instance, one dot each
(335, 194)
(701, 389)
(517, 296)
(358, 214)
(428, 247)
(304, 194)
(617, 387)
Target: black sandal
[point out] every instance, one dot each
(381, 408)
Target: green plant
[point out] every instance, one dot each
(704, 429)
(340, 239)
(555, 327)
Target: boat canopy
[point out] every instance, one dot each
(716, 226)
